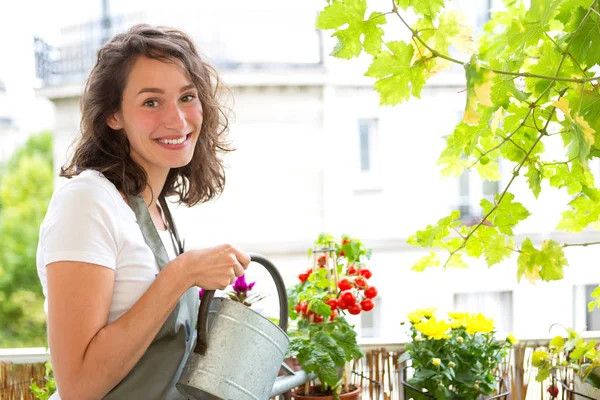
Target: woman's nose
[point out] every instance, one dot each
(175, 118)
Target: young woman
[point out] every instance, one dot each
(121, 294)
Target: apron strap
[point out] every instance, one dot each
(148, 229)
(172, 226)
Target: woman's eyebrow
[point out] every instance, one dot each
(158, 90)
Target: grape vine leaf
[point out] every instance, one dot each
(352, 12)
(429, 8)
(396, 78)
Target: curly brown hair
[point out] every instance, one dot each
(99, 148)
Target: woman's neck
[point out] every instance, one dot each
(154, 187)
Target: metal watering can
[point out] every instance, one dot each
(245, 353)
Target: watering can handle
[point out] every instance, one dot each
(202, 340)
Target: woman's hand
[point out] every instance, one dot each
(212, 268)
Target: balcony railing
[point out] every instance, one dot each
(71, 61)
(378, 373)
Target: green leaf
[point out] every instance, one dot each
(592, 305)
(504, 89)
(528, 31)
(549, 58)
(328, 344)
(507, 215)
(498, 247)
(586, 41)
(345, 338)
(547, 263)
(463, 141)
(429, 8)
(534, 179)
(578, 135)
(456, 261)
(552, 261)
(527, 262)
(573, 178)
(433, 234)
(396, 78)
(569, 7)
(352, 12)
(585, 210)
(431, 260)
(479, 86)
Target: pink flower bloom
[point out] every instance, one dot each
(241, 287)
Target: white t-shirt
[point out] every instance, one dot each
(88, 221)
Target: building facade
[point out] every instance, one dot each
(315, 153)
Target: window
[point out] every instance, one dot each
(470, 190)
(370, 322)
(366, 141)
(495, 305)
(589, 321)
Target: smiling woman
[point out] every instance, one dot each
(121, 294)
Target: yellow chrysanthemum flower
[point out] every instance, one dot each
(427, 312)
(459, 319)
(511, 338)
(479, 323)
(436, 361)
(433, 328)
(417, 315)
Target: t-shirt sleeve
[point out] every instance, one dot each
(81, 225)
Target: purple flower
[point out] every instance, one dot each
(241, 287)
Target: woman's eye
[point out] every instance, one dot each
(188, 98)
(151, 103)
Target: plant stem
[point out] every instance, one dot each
(580, 244)
(436, 53)
(517, 169)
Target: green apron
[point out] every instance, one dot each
(156, 373)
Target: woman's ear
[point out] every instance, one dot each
(114, 122)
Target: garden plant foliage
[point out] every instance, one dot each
(26, 185)
(531, 84)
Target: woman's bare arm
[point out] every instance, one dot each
(89, 356)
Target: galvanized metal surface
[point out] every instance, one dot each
(243, 358)
(288, 382)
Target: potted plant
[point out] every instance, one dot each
(453, 358)
(323, 341)
(571, 353)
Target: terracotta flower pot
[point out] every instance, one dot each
(314, 394)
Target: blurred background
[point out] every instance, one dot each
(315, 153)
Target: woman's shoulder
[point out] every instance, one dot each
(90, 186)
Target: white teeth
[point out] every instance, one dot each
(172, 141)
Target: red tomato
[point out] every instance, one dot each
(354, 309)
(371, 292)
(352, 270)
(333, 315)
(348, 298)
(298, 308)
(318, 318)
(344, 284)
(332, 303)
(303, 307)
(342, 254)
(303, 277)
(361, 283)
(365, 272)
(367, 304)
(342, 305)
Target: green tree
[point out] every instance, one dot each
(26, 185)
(532, 81)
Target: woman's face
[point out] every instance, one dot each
(161, 115)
